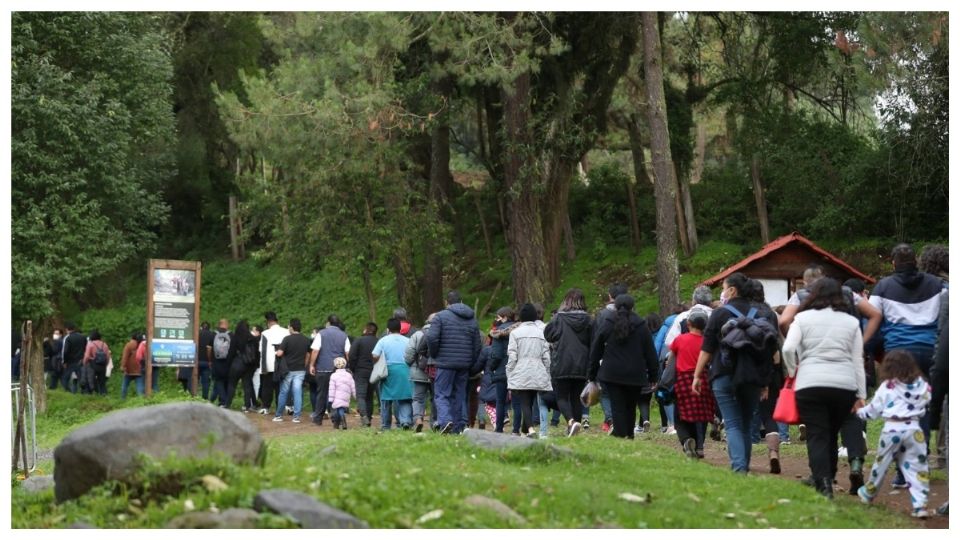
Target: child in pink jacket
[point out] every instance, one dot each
(342, 388)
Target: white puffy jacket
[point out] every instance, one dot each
(528, 359)
(828, 347)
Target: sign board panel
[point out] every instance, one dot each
(173, 307)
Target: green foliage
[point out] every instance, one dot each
(92, 133)
(208, 49)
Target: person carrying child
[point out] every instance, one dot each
(342, 388)
(901, 400)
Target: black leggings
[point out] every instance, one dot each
(527, 398)
(624, 400)
(241, 374)
(568, 397)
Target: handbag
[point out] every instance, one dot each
(786, 409)
(590, 395)
(379, 372)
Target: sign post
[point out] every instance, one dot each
(173, 308)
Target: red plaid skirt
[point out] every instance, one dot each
(694, 408)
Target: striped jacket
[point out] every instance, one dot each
(910, 303)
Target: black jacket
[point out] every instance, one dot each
(632, 362)
(571, 333)
(75, 344)
(360, 362)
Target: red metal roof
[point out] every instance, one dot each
(781, 242)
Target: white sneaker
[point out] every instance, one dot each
(637, 429)
(574, 429)
(263, 411)
(296, 419)
(278, 419)
(671, 430)
(289, 410)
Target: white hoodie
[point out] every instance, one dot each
(898, 401)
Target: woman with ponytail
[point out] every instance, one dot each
(629, 363)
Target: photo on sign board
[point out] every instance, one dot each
(173, 285)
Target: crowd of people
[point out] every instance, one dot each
(714, 367)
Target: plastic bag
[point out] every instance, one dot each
(590, 395)
(379, 370)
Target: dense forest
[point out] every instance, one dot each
(406, 141)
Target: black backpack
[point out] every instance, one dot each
(100, 357)
(248, 353)
(747, 347)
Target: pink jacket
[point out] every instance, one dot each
(342, 388)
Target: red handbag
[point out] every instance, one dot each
(786, 409)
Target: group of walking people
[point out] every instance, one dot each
(709, 364)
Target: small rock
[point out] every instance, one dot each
(430, 516)
(81, 525)
(213, 484)
(234, 518)
(783, 501)
(501, 441)
(328, 450)
(731, 515)
(693, 497)
(496, 506)
(305, 510)
(37, 483)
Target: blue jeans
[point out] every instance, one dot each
(784, 430)
(204, 379)
(605, 405)
(738, 405)
(295, 379)
(450, 391)
(404, 410)
(138, 381)
(544, 415)
(218, 394)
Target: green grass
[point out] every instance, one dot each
(393, 478)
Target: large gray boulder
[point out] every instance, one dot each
(305, 510)
(108, 448)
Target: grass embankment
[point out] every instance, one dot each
(394, 478)
(247, 289)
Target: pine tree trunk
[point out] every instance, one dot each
(760, 199)
(524, 228)
(555, 212)
(665, 181)
(639, 174)
(692, 239)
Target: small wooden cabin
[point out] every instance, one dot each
(779, 265)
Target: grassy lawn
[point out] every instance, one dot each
(394, 478)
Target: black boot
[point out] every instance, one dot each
(825, 487)
(856, 475)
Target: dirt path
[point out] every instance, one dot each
(794, 468)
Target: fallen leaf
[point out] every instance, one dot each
(693, 497)
(783, 501)
(430, 516)
(212, 483)
(731, 515)
(630, 497)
